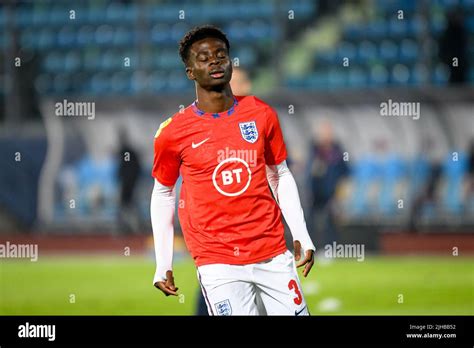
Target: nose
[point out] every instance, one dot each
(214, 60)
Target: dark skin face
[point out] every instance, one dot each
(210, 66)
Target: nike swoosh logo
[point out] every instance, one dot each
(299, 312)
(199, 144)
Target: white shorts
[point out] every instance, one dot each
(269, 287)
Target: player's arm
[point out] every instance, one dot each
(285, 191)
(165, 170)
(162, 209)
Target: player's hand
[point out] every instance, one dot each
(308, 260)
(167, 286)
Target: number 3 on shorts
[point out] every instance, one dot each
(293, 285)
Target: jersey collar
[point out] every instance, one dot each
(215, 115)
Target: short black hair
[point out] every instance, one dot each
(199, 33)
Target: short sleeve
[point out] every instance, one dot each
(275, 149)
(166, 160)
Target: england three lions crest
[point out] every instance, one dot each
(249, 131)
(223, 308)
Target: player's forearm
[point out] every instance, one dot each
(162, 209)
(286, 194)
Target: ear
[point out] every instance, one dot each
(189, 73)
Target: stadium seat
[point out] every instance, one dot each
(393, 171)
(454, 172)
(400, 74)
(66, 36)
(365, 173)
(388, 51)
(409, 50)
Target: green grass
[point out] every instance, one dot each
(122, 286)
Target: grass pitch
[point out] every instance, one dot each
(106, 285)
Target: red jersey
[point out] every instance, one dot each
(226, 209)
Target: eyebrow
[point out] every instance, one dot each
(206, 50)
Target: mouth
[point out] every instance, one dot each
(217, 74)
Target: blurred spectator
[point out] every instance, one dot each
(426, 196)
(454, 44)
(240, 83)
(128, 174)
(326, 168)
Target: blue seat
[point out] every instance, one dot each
(158, 81)
(177, 31)
(66, 36)
(61, 84)
(177, 81)
(337, 78)
(419, 75)
(120, 83)
(379, 76)
(258, 29)
(388, 51)
(398, 28)
(24, 17)
(415, 27)
(160, 33)
(95, 15)
(353, 32)
(110, 60)
(167, 60)
(317, 80)
(358, 77)
(237, 31)
(115, 12)
(99, 84)
(85, 35)
(365, 172)
(28, 38)
(91, 59)
(100, 176)
(58, 15)
(53, 62)
(247, 55)
(400, 74)
(454, 172)
(366, 52)
(409, 51)
(393, 171)
(123, 36)
(440, 75)
(104, 35)
(329, 57)
(72, 61)
(346, 50)
(376, 30)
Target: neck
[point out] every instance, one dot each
(214, 101)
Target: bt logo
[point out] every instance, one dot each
(232, 177)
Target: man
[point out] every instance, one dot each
(327, 169)
(227, 150)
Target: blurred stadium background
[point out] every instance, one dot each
(401, 186)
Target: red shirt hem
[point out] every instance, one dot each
(235, 261)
